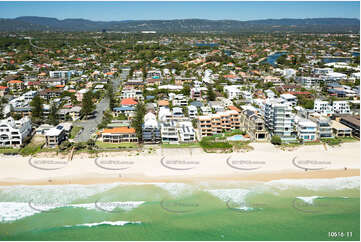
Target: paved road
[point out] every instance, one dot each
(90, 125)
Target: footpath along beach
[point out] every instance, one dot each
(264, 163)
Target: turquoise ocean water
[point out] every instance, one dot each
(309, 209)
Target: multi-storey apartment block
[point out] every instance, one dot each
(278, 118)
(151, 129)
(218, 123)
(14, 132)
(254, 124)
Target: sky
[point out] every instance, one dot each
(109, 11)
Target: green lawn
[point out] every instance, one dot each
(9, 150)
(74, 131)
(103, 145)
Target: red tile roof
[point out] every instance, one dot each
(234, 108)
(15, 81)
(129, 101)
(119, 130)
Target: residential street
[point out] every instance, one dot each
(90, 125)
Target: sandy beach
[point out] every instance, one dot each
(265, 162)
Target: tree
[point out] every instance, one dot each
(36, 105)
(52, 115)
(210, 93)
(110, 94)
(276, 140)
(87, 104)
(138, 120)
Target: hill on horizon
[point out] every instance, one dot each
(310, 25)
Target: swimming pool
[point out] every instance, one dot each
(237, 138)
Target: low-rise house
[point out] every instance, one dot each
(119, 135)
(178, 100)
(216, 106)
(163, 103)
(322, 107)
(289, 98)
(196, 93)
(16, 85)
(341, 107)
(206, 110)
(192, 111)
(74, 112)
(134, 84)
(63, 114)
(132, 93)
(179, 80)
(50, 93)
(80, 94)
(3, 91)
(340, 130)
(55, 136)
(13, 133)
(352, 122)
(125, 110)
(176, 111)
(41, 130)
(52, 82)
(232, 92)
(130, 102)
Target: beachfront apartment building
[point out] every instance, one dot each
(340, 130)
(55, 136)
(278, 119)
(254, 124)
(186, 132)
(169, 132)
(324, 129)
(218, 123)
(353, 122)
(119, 135)
(151, 129)
(306, 130)
(13, 133)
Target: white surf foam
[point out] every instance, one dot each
(175, 189)
(11, 211)
(339, 183)
(309, 200)
(60, 194)
(112, 223)
(235, 195)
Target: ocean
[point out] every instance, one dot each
(299, 209)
